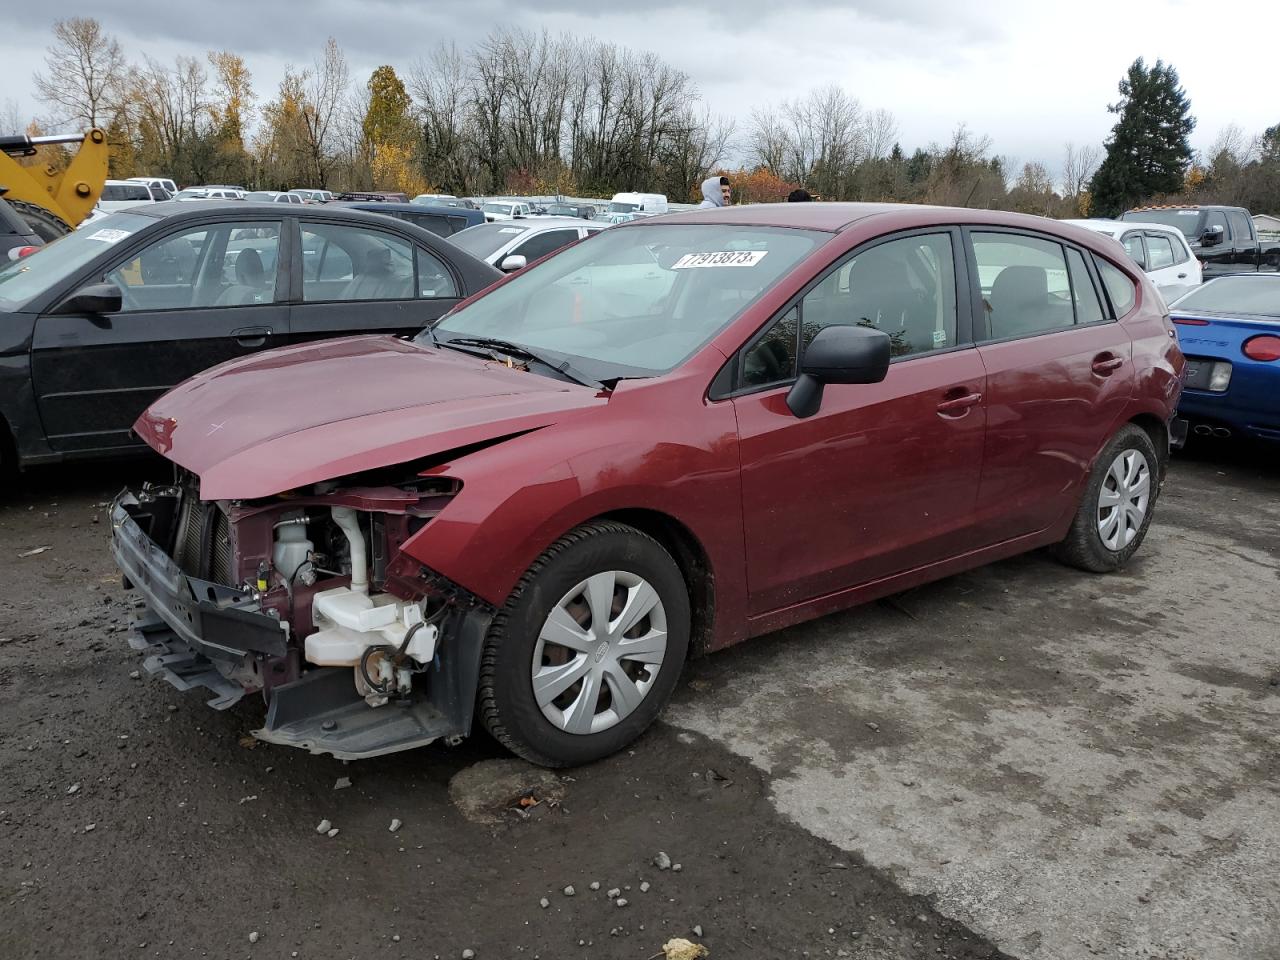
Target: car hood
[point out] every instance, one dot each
(299, 415)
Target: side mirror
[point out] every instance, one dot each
(513, 263)
(93, 298)
(1212, 237)
(838, 354)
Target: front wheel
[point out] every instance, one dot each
(1117, 505)
(587, 649)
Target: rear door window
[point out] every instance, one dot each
(354, 263)
(1160, 252)
(1240, 227)
(1025, 290)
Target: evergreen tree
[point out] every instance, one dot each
(1147, 152)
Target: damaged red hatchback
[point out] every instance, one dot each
(681, 433)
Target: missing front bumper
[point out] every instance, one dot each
(198, 634)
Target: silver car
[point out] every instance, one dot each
(512, 245)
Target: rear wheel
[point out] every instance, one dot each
(588, 648)
(45, 225)
(1117, 505)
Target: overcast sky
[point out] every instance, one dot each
(1030, 75)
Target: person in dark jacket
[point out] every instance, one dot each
(799, 195)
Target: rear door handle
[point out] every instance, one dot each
(1104, 366)
(957, 404)
(251, 336)
(1182, 276)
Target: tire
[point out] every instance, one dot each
(1103, 537)
(598, 712)
(45, 225)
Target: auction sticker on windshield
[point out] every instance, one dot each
(109, 236)
(721, 258)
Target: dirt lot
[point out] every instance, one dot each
(1071, 765)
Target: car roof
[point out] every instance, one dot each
(191, 209)
(837, 217)
(1121, 226)
(379, 206)
(547, 222)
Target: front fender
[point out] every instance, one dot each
(521, 496)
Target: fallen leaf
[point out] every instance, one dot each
(683, 950)
(248, 741)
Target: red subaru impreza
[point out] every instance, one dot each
(675, 435)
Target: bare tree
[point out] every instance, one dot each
(880, 132)
(326, 90)
(11, 121)
(769, 140)
(1078, 167)
(85, 71)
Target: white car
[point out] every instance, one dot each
(512, 246)
(1160, 250)
(273, 196)
(122, 194)
(209, 193)
(639, 203)
(495, 210)
(312, 196)
(163, 182)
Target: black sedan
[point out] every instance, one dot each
(95, 327)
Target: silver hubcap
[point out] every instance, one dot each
(1123, 501)
(599, 652)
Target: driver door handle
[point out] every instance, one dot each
(958, 404)
(251, 336)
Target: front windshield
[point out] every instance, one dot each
(497, 208)
(634, 302)
(1187, 221)
(191, 194)
(25, 279)
(485, 239)
(618, 207)
(1249, 296)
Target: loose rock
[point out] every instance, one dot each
(662, 861)
(395, 825)
(544, 903)
(614, 893)
(74, 788)
(697, 930)
(595, 885)
(342, 783)
(253, 937)
(468, 954)
(644, 886)
(569, 891)
(332, 833)
(621, 901)
(323, 826)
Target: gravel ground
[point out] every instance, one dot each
(1070, 766)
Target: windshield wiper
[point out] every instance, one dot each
(515, 350)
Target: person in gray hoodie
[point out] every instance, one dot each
(715, 192)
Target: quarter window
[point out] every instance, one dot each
(772, 359)
(1024, 283)
(434, 280)
(1119, 287)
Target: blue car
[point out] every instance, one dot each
(1229, 330)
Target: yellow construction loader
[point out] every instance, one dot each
(53, 201)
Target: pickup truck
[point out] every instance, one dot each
(1222, 238)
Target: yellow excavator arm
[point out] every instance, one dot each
(56, 195)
